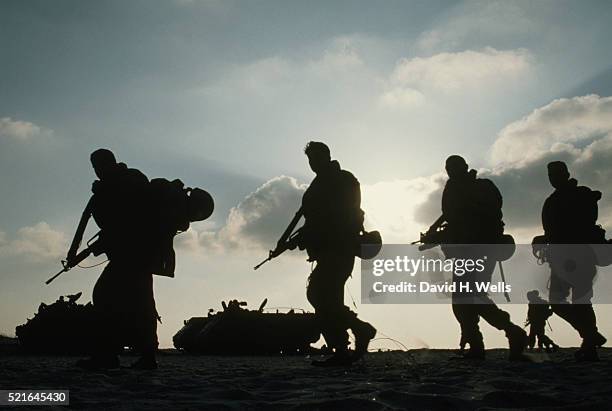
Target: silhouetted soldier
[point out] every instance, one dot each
(538, 313)
(123, 295)
(333, 221)
(471, 207)
(569, 219)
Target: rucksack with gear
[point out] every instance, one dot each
(171, 208)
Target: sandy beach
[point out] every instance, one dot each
(418, 379)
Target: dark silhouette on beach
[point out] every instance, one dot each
(331, 207)
(569, 219)
(472, 219)
(538, 313)
(138, 220)
(123, 295)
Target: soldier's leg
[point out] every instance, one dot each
(498, 318)
(342, 266)
(532, 338)
(559, 293)
(548, 343)
(106, 343)
(541, 340)
(108, 308)
(466, 315)
(580, 316)
(363, 331)
(325, 293)
(144, 321)
(582, 293)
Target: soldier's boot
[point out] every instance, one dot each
(476, 350)
(532, 342)
(517, 342)
(588, 348)
(549, 344)
(475, 341)
(364, 332)
(99, 362)
(336, 338)
(599, 340)
(462, 344)
(591, 337)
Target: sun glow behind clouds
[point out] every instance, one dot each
(390, 207)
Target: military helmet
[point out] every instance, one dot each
(201, 204)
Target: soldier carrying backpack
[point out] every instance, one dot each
(569, 219)
(472, 217)
(138, 220)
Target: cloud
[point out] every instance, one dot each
(274, 76)
(20, 130)
(564, 124)
(481, 20)
(453, 71)
(259, 219)
(414, 80)
(36, 243)
(576, 130)
(402, 97)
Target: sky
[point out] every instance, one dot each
(224, 95)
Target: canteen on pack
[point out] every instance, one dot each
(369, 244)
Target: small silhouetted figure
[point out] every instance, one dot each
(472, 209)
(569, 219)
(333, 221)
(123, 295)
(538, 313)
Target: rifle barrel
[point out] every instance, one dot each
(262, 263)
(67, 267)
(55, 276)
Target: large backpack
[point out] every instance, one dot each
(171, 210)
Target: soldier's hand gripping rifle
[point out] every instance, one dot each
(434, 236)
(288, 241)
(94, 245)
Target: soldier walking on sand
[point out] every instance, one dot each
(472, 212)
(333, 221)
(569, 219)
(123, 295)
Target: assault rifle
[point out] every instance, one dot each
(434, 236)
(94, 246)
(288, 241)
